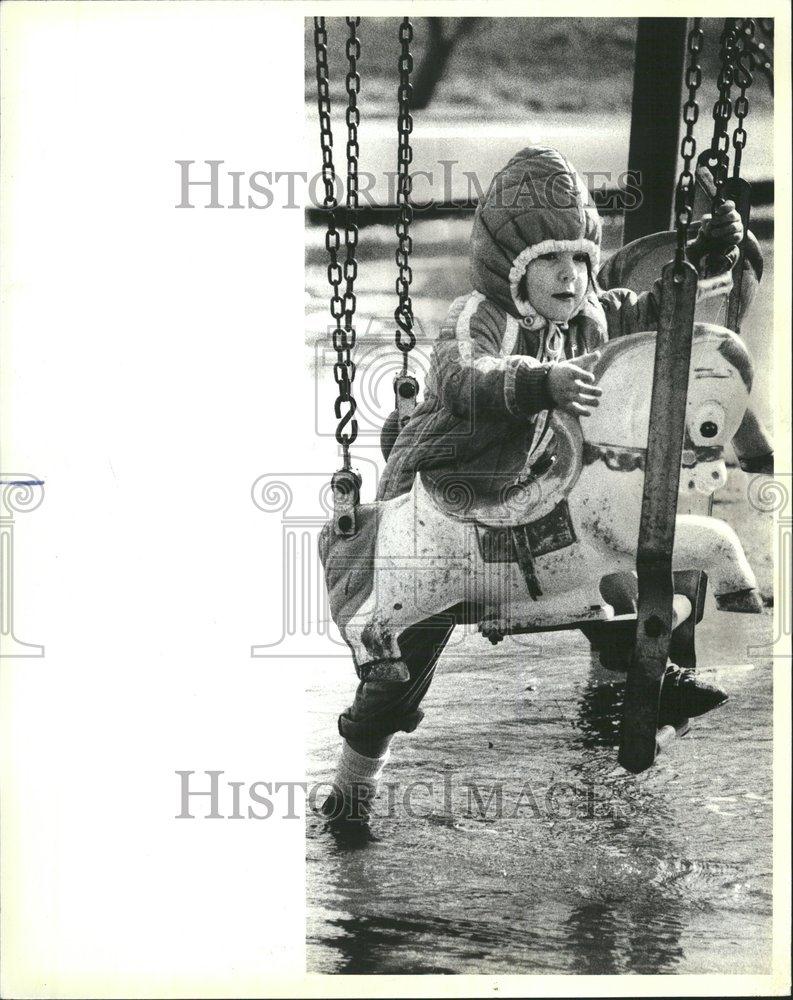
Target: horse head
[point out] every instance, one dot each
(718, 393)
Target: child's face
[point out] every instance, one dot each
(556, 284)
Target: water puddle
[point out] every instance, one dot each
(527, 849)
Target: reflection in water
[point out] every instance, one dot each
(640, 933)
(617, 937)
(659, 864)
(600, 713)
(381, 945)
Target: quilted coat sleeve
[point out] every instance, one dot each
(474, 370)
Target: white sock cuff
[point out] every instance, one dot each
(354, 768)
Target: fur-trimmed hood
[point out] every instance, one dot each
(536, 204)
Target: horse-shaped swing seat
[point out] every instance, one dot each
(527, 549)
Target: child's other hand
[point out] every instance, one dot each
(571, 385)
(721, 231)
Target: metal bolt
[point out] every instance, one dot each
(653, 627)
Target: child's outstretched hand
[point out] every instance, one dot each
(721, 231)
(571, 385)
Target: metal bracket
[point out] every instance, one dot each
(526, 562)
(693, 584)
(406, 394)
(346, 488)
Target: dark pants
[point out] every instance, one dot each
(382, 708)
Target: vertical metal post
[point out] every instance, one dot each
(655, 122)
(659, 512)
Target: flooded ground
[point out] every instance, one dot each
(582, 868)
(509, 839)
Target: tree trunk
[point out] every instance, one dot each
(432, 65)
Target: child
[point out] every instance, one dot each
(524, 341)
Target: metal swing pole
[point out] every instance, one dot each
(639, 735)
(655, 122)
(638, 745)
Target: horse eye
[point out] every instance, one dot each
(707, 423)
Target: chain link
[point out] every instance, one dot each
(744, 66)
(353, 118)
(684, 193)
(722, 109)
(403, 314)
(342, 307)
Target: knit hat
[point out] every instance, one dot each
(535, 205)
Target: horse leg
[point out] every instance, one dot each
(421, 567)
(710, 544)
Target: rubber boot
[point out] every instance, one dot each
(685, 696)
(348, 808)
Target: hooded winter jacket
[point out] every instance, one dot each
(487, 382)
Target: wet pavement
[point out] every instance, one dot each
(580, 867)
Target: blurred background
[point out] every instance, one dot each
(484, 88)
(494, 68)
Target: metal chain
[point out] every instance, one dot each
(342, 307)
(344, 340)
(403, 314)
(684, 193)
(744, 65)
(722, 109)
(353, 118)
